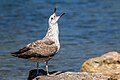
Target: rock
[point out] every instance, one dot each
(108, 64)
(73, 76)
(33, 73)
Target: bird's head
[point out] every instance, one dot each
(54, 18)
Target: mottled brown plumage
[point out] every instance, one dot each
(37, 51)
(43, 50)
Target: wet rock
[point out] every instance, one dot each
(33, 73)
(108, 64)
(73, 76)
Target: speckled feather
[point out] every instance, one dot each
(44, 49)
(37, 49)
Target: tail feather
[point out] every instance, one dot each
(16, 54)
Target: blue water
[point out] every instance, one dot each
(89, 28)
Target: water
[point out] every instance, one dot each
(89, 29)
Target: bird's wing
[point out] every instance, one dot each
(38, 48)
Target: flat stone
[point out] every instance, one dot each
(73, 76)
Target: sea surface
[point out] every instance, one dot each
(89, 29)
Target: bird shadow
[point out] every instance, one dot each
(33, 73)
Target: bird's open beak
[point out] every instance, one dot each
(58, 17)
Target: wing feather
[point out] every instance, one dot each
(38, 48)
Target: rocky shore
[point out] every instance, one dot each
(105, 67)
(74, 76)
(107, 64)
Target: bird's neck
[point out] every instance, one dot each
(53, 33)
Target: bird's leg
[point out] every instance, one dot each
(37, 68)
(47, 67)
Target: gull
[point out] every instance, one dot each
(44, 49)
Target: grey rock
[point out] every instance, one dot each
(73, 76)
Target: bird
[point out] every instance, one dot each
(44, 49)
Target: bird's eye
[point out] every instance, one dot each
(51, 18)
